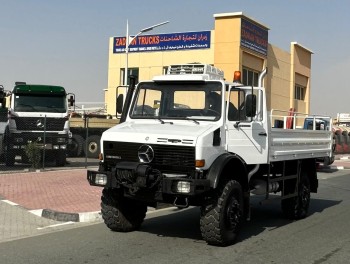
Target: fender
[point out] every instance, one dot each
(223, 162)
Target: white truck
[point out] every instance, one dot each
(176, 145)
(35, 113)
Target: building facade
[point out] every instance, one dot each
(237, 42)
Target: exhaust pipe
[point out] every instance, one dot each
(262, 76)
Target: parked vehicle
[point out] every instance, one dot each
(215, 153)
(86, 132)
(35, 113)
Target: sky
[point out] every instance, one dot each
(65, 42)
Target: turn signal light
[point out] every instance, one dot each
(200, 163)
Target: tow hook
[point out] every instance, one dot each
(181, 202)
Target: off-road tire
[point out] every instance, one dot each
(121, 214)
(9, 154)
(297, 207)
(221, 220)
(75, 148)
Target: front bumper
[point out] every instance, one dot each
(50, 141)
(171, 186)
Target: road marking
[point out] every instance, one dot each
(9, 202)
(56, 225)
(37, 212)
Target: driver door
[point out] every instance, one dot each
(247, 128)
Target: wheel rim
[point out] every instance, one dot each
(93, 147)
(233, 214)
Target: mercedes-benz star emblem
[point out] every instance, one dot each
(39, 124)
(145, 153)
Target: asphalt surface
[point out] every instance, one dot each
(61, 195)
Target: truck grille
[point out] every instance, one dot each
(180, 158)
(32, 123)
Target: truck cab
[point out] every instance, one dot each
(37, 113)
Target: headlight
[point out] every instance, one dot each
(101, 179)
(183, 187)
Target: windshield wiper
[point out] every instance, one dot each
(163, 122)
(194, 120)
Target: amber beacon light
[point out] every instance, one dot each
(237, 76)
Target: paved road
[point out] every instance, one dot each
(64, 197)
(172, 236)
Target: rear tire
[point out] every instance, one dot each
(297, 207)
(220, 221)
(93, 146)
(121, 214)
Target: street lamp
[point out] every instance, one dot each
(127, 42)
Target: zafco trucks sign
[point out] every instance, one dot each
(254, 37)
(164, 42)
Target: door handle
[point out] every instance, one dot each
(263, 134)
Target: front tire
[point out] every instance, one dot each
(10, 157)
(60, 158)
(121, 214)
(220, 221)
(75, 148)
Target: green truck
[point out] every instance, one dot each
(35, 114)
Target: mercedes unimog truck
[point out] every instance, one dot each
(191, 138)
(36, 113)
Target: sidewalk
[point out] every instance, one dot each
(61, 195)
(65, 195)
(341, 162)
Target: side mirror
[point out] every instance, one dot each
(71, 100)
(250, 105)
(120, 100)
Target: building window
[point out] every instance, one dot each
(299, 92)
(250, 77)
(131, 71)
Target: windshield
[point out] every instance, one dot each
(40, 103)
(194, 100)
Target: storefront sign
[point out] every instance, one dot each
(254, 37)
(164, 42)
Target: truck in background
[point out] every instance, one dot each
(3, 119)
(341, 129)
(86, 132)
(88, 125)
(214, 153)
(36, 113)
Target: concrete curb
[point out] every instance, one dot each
(72, 217)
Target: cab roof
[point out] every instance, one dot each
(39, 89)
